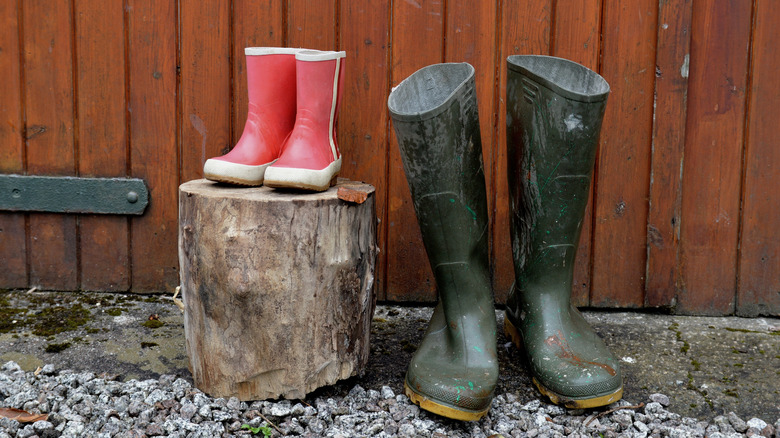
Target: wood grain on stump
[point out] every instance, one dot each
(278, 287)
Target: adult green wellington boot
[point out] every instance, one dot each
(454, 371)
(554, 113)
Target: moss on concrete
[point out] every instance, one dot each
(153, 323)
(57, 319)
(741, 330)
(56, 348)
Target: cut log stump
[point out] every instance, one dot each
(278, 287)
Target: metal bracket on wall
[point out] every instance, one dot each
(68, 194)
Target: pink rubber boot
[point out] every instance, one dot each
(310, 158)
(270, 73)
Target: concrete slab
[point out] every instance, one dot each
(707, 366)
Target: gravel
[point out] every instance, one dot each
(82, 404)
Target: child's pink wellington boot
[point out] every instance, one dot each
(270, 73)
(310, 158)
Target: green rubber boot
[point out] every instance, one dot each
(434, 112)
(554, 113)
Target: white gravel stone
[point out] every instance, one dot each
(737, 423)
(205, 412)
(756, 423)
(157, 395)
(281, 409)
(532, 406)
(660, 398)
(387, 392)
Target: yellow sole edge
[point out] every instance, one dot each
(556, 398)
(580, 403)
(438, 409)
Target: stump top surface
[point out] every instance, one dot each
(204, 187)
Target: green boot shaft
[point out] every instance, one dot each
(551, 149)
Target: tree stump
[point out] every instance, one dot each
(278, 287)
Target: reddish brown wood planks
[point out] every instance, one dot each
(205, 84)
(657, 232)
(256, 23)
(471, 37)
(759, 259)
(100, 102)
(418, 32)
(619, 243)
(153, 141)
(576, 37)
(13, 239)
(713, 152)
(48, 90)
(525, 29)
(671, 89)
(364, 35)
(312, 24)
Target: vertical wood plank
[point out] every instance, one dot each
(100, 72)
(671, 90)
(13, 240)
(759, 263)
(620, 241)
(471, 37)
(713, 152)
(153, 150)
(205, 84)
(256, 23)
(48, 63)
(576, 37)
(364, 28)
(526, 29)
(312, 24)
(417, 39)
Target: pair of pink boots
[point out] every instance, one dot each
(289, 139)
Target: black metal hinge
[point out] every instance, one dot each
(68, 194)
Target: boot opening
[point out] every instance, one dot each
(428, 88)
(561, 73)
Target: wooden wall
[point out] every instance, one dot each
(684, 208)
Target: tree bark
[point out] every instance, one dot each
(278, 287)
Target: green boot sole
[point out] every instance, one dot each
(439, 408)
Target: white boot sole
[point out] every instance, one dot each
(305, 179)
(234, 173)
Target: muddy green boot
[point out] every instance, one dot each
(554, 113)
(434, 112)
